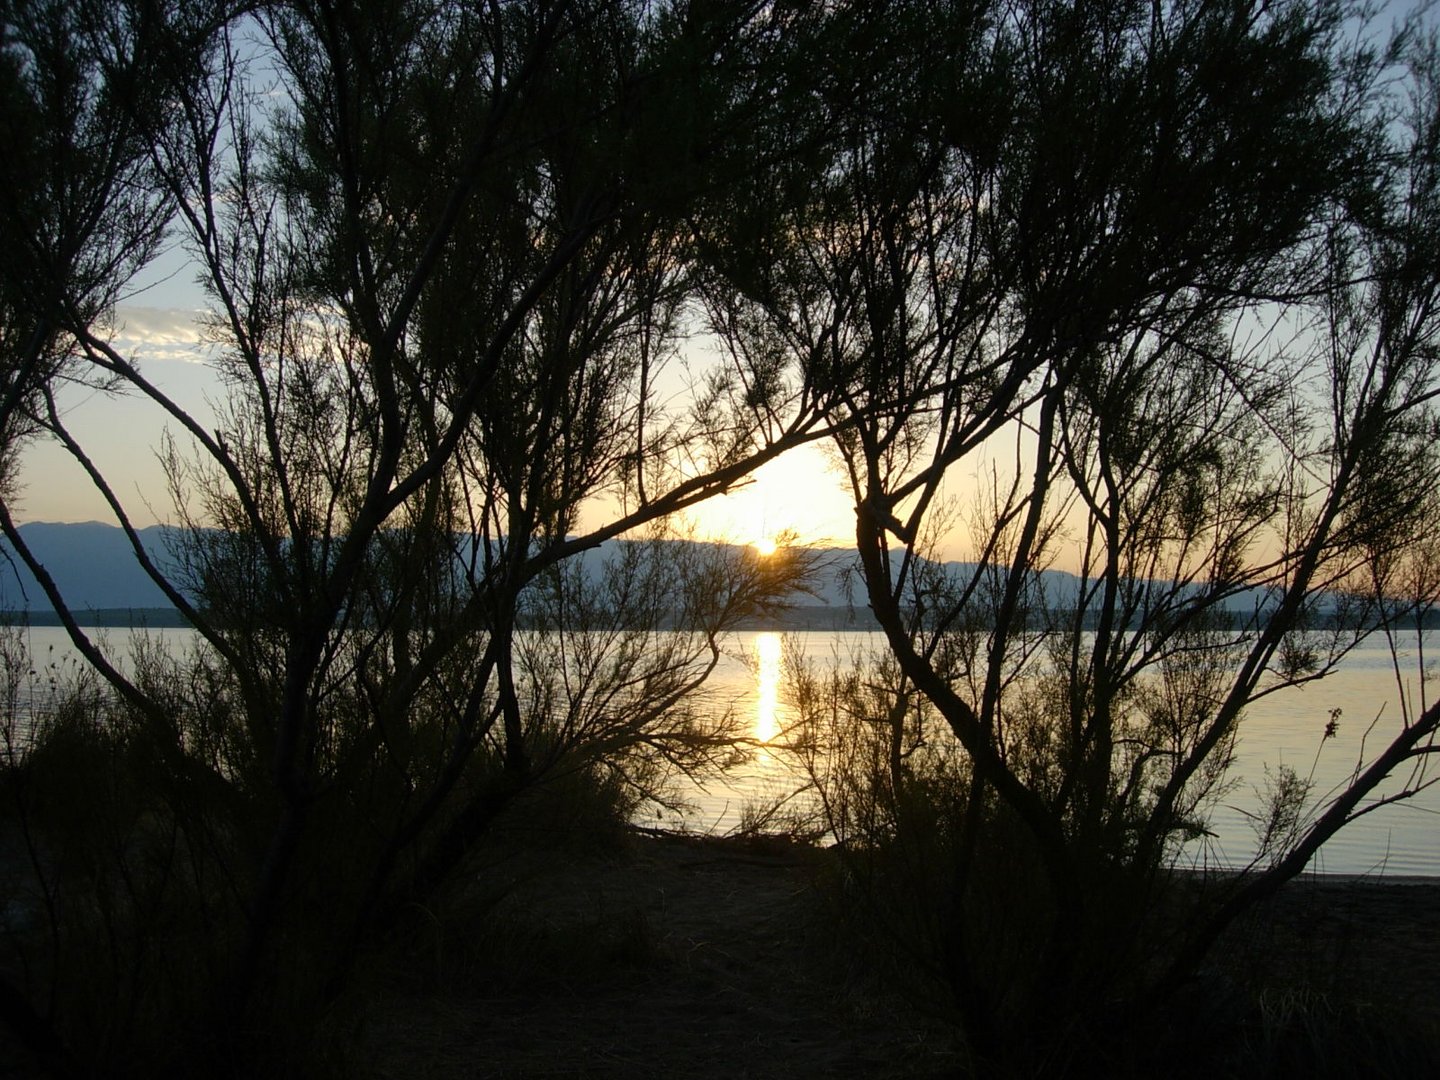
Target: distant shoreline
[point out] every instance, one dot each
(812, 617)
(126, 618)
(801, 617)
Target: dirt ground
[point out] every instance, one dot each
(1373, 942)
(681, 958)
(700, 960)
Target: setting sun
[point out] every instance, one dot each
(798, 493)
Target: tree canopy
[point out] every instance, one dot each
(1175, 262)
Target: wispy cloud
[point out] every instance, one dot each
(151, 333)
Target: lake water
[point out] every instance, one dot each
(1284, 728)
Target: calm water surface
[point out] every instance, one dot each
(1284, 728)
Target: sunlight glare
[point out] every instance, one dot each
(799, 492)
(767, 686)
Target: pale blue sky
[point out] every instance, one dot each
(155, 325)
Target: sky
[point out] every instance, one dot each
(799, 492)
(121, 432)
(155, 326)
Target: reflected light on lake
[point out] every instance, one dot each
(767, 686)
(1283, 727)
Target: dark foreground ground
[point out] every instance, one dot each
(677, 958)
(701, 960)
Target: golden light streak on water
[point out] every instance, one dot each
(767, 685)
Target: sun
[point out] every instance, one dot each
(798, 494)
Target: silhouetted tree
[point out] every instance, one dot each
(454, 251)
(1043, 291)
(451, 251)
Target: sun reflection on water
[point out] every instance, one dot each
(767, 686)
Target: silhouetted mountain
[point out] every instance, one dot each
(95, 569)
(92, 564)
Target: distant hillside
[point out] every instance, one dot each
(92, 564)
(95, 569)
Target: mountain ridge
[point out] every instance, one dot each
(95, 570)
